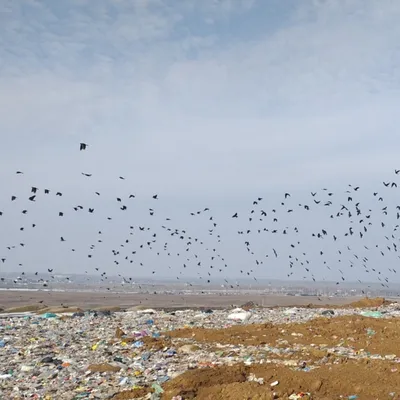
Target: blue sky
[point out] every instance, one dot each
(210, 101)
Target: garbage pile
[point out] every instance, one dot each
(150, 354)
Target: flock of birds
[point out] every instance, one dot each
(338, 246)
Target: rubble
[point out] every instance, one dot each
(283, 353)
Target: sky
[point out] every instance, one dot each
(207, 103)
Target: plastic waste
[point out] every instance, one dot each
(49, 315)
(372, 314)
(240, 316)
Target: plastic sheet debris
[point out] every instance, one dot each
(328, 312)
(147, 311)
(372, 314)
(240, 315)
(49, 315)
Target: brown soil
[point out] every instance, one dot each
(149, 342)
(363, 303)
(88, 300)
(155, 344)
(107, 308)
(370, 381)
(119, 333)
(378, 336)
(368, 303)
(132, 394)
(121, 336)
(27, 308)
(103, 368)
(59, 310)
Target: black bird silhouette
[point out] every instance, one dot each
(82, 146)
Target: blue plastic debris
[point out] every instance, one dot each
(49, 315)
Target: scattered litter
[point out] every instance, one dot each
(300, 395)
(98, 355)
(253, 378)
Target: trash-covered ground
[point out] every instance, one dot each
(245, 353)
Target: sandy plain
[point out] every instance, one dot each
(86, 300)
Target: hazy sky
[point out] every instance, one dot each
(205, 102)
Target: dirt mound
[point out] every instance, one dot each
(27, 308)
(378, 336)
(149, 342)
(132, 394)
(59, 310)
(249, 305)
(369, 381)
(362, 303)
(103, 368)
(119, 333)
(368, 303)
(107, 308)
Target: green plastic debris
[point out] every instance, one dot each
(372, 314)
(157, 388)
(49, 315)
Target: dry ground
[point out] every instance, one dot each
(369, 381)
(14, 298)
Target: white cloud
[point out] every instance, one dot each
(126, 67)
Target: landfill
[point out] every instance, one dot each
(244, 353)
